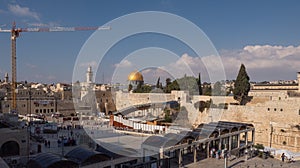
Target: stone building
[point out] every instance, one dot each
(30, 100)
(14, 145)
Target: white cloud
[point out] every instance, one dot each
(124, 64)
(263, 62)
(272, 51)
(22, 11)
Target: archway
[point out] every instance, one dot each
(10, 148)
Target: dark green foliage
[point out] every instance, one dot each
(241, 86)
(142, 89)
(199, 84)
(259, 146)
(130, 87)
(202, 105)
(158, 83)
(218, 89)
(171, 86)
(207, 90)
(188, 83)
(168, 117)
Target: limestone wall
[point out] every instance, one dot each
(277, 118)
(124, 100)
(275, 115)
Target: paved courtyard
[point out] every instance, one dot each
(241, 163)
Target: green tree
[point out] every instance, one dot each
(142, 89)
(130, 87)
(168, 85)
(207, 89)
(158, 82)
(199, 84)
(188, 83)
(241, 86)
(171, 86)
(218, 89)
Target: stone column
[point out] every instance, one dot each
(180, 157)
(238, 140)
(161, 156)
(195, 153)
(230, 142)
(246, 138)
(207, 149)
(253, 137)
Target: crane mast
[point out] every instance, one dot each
(15, 32)
(14, 35)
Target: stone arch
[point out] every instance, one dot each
(10, 148)
(214, 134)
(224, 131)
(243, 127)
(234, 129)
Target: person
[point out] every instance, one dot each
(291, 159)
(219, 154)
(282, 157)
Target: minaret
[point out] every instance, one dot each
(6, 78)
(89, 75)
(298, 77)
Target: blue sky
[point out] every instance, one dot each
(264, 35)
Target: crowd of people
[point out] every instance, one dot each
(284, 158)
(218, 154)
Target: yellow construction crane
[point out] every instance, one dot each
(15, 32)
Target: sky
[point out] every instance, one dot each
(263, 35)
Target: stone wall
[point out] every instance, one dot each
(277, 121)
(275, 115)
(124, 100)
(17, 135)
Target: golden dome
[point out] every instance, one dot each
(135, 76)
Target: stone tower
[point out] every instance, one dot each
(6, 78)
(89, 75)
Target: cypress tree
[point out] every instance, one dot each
(158, 82)
(241, 86)
(199, 84)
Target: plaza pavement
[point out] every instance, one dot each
(255, 162)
